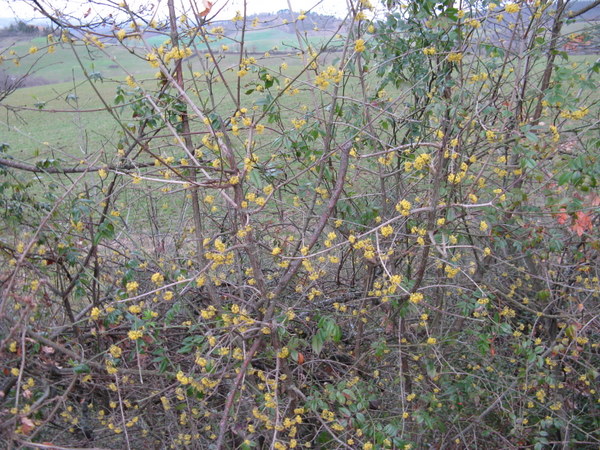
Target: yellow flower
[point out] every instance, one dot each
(121, 34)
(158, 278)
(130, 81)
(276, 251)
(403, 207)
(102, 174)
(508, 312)
(132, 286)
(298, 123)
(152, 58)
(483, 226)
(416, 297)
(575, 115)
(429, 50)
(134, 334)
(110, 367)
(387, 231)
(431, 340)
(328, 415)
(455, 57)
(33, 50)
(95, 313)
(168, 295)
(182, 378)
(208, 313)
(359, 45)
(115, 351)
(512, 8)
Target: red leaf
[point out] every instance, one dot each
(207, 8)
(26, 425)
(48, 350)
(562, 217)
(594, 199)
(583, 223)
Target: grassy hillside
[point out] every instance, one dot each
(63, 65)
(263, 40)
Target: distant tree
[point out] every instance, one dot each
(21, 27)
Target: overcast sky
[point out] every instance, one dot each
(23, 9)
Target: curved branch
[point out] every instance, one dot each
(573, 14)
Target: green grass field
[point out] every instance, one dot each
(65, 119)
(63, 65)
(263, 40)
(30, 126)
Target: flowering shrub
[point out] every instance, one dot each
(387, 241)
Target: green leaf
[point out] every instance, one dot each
(564, 178)
(106, 230)
(318, 341)
(81, 368)
(96, 76)
(528, 163)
